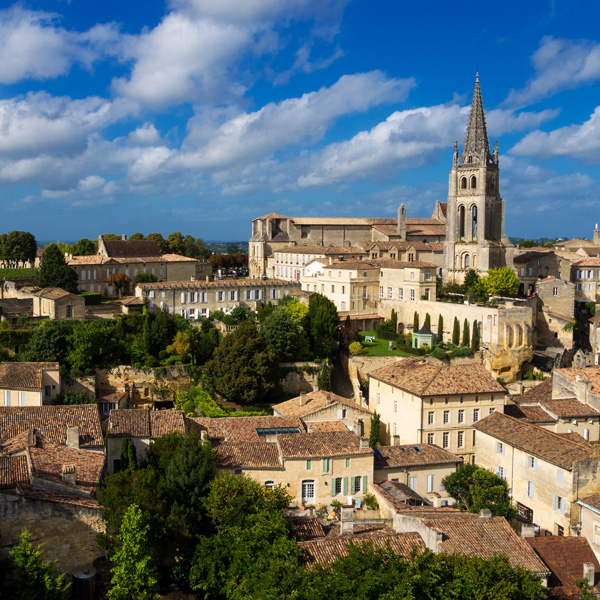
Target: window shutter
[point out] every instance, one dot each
(503, 449)
(559, 476)
(535, 464)
(340, 414)
(553, 501)
(364, 484)
(497, 470)
(563, 507)
(345, 486)
(333, 487)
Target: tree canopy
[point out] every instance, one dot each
(18, 246)
(54, 272)
(501, 282)
(323, 321)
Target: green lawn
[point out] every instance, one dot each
(379, 347)
(17, 273)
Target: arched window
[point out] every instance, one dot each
(473, 182)
(461, 222)
(474, 222)
(463, 183)
(467, 260)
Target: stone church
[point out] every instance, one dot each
(470, 225)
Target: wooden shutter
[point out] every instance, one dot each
(364, 483)
(345, 486)
(553, 501)
(333, 487)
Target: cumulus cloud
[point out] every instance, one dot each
(559, 65)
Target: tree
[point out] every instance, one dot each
(475, 336)
(502, 281)
(375, 429)
(128, 454)
(120, 281)
(393, 321)
(466, 334)
(85, 247)
(94, 344)
(144, 277)
(176, 242)
(18, 246)
(50, 342)
(471, 278)
(54, 272)
(527, 244)
(134, 576)
(243, 367)
(70, 397)
(241, 313)
(31, 577)
(137, 236)
(163, 246)
(475, 488)
(324, 379)
(455, 332)
(283, 336)
(440, 330)
(415, 322)
(295, 309)
(181, 345)
(323, 321)
(428, 321)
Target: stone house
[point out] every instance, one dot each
(589, 520)
(141, 427)
(539, 264)
(198, 299)
(421, 467)
(408, 282)
(585, 274)
(546, 472)
(423, 403)
(322, 406)
(28, 383)
(54, 303)
(556, 298)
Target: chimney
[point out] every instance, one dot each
(357, 427)
(519, 387)
(485, 513)
(123, 237)
(329, 402)
(302, 399)
(527, 530)
(203, 435)
(330, 260)
(68, 474)
(589, 573)
(364, 443)
(395, 440)
(310, 428)
(347, 520)
(72, 436)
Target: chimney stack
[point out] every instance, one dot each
(485, 513)
(68, 474)
(589, 573)
(310, 428)
(302, 399)
(364, 443)
(123, 237)
(72, 436)
(329, 401)
(527, 530)
(347, 520)
(395, 440)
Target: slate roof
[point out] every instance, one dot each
(565, 557)
(52, 422)
(13, 472)
(320, 445)
(388, 457)
(315, 401)
(24, 375)
(242, 429)
(534, 440)
(422, 378)
(144, 423)
(248, 455)
(131, 248)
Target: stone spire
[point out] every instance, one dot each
(476, 138)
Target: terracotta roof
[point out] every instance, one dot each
(248, 455)
(53, 293)
(387, 457)
(534, 440)
(24, 375)
(343, 221)
(221, 283)
(271, 216)
(307, 528)
(131, 248)
(591, 250)
(402, 493)
(75, 261)
(324, 552)
(542, 391)
(437, 246)
(144, 423)
(570, 407)
(422, 378)
(13, 472)
(52, 422)
(42, 495)
(587, 262)
(591, 374)
(320, 444)
(322, 250)
(316, 426)
(315, 402)
(19, 442)
(527, 256)
(532, 414)
(565, 557)
(243, 429)
(593, 500)
(111, 395)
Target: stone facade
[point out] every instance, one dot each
(29, 384)
(534, 265)
(556, 299)
(585, 274)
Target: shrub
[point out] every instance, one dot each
(370, 502)
(357, 348)
(439, 353)
(426, 348)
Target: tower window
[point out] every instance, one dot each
(474, 222)
(461, 222)
(467, 261)
(473, 182)
(463, 183)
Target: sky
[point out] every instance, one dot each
(200, 115)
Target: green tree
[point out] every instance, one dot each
(471, 278)
(475, 488)
(501, 282)
(54, 272)
(394, 321)
(94, 344)
(428, 321)
(32, 578)
(466, 334)
(440, 330)
(182, 345)
(475, 336)
(137, 236)
(415, 322)
(243, 367)
(283, 336)
(323, 321)
(134, 575)
(455, 332)
(527, 244)
(162, 244)
(324, 379)
(50, 342)
(375, 429)
(176, 242)
(144, 277)
(18, 246)
(70, 397)
(295, 309)
(85, 247)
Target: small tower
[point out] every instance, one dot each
(402, 222)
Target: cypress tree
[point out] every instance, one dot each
(124, 454)
(393, 321)
(428, 321)
(440, 330)
(466, 335)
(416, 322)
(455, 332)
(375, 426)
(475, 336)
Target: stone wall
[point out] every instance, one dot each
(67, 531)
(300, 377)
(80, 384)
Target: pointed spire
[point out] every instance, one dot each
(476, 138)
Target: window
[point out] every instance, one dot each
(446, 416)
(308, 465)
(500, 448)
(308, 491)
(492, 411)
(530, 489)
(356, 484)
(381, 291)
(412, 483)
(47, 390)
(430, 415)
(559, 504)
(337, 486)
(269, 485)
(445, 439)
(532, 462)
(378, 398)
(347, 463)
(559, 476)
(475, 415)
(343, 289)
(69, 311)
(461, 439)
(389, 293)
(326, 465)
(6, 398)
(501, 472)
(431, 438)
(586, 434)
(461, 415)
(400, 293)
(555, 291)
(430, 483)
(332, 289)
(560, 531)
(412, 295)
(395, 405)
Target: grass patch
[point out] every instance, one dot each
(17, 273)
(379, 347)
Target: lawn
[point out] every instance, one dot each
(379, 347)
(17, 273)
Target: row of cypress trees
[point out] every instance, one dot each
(467, 338)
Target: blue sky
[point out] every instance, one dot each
(199, 115)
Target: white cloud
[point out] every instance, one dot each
(559, 65)
(146, 135)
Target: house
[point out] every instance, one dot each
(325, 406)
(407, 282)
(141, 427)
(54, 303)
(585, 274)
(555, 314)
(424, 403)
(546, 472)
(28, 383)
(421, 467)
(589, 520)
(539, 264)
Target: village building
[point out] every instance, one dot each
(589, 520)
(423, 403)
(28, 383)
(546, 472)
(555, 312)
(585, 274)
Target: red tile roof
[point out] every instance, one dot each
(144, 423)
(315, 402)
(13, 472)
(24, 375)
(387, 457)
(242, 429)
(320, 445)
(591, 374)
(306, 528)
(248, 455)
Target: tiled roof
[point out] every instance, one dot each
(402, 493)
(437, 246)
(422, 378)
(588, 262)
(52, 422)
(542, 391)
(271, 216)
(592, 250)
(242, 429)
(320, 444)
(532, 414)
(18, 443)
(534, 440)
(144, 423)
(387, 457)
(47, 460)
(472, 535)
(111, 395)
(131, 248)
(75, 261)
(569, 408)
(527, 256)
(591, 374)
(565, 557)
(306, 528)
(593, 500)
(33, 493)
(222, 283)
(13, 472)
(248, 455)
(316, 426)
(321, 250)
(53, 293)
(24, 375)
(315, 401)
(343, 221)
